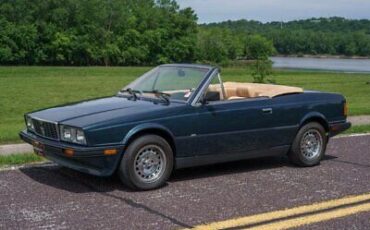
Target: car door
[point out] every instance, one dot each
(239, 126)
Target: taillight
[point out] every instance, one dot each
(345, 109)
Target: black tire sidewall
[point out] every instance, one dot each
(127, 171)
(296, 154)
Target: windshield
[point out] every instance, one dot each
(176, 82)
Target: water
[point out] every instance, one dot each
(327, 64)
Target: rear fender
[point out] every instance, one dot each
(315, 117)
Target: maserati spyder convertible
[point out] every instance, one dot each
(184, 115)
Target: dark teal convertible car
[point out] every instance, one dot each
(181, 115)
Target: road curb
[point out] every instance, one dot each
(15, 149)
(352, 135)
(359, 120)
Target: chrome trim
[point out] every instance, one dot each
(311, 144)
(46, 121)
(222, 86)
(40, 119)
(150, 163)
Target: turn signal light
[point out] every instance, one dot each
(69, 152)
(345, 109)
(109, 152)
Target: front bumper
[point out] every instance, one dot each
(89, 160)
(337, 128)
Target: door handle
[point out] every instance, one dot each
(267, 110)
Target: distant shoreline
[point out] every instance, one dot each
(326, 63)
(323, 56)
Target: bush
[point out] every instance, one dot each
(261, 69)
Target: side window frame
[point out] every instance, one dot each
(222, 86)
(206, 86)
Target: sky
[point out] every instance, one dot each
(276, 10)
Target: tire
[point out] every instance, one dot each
(309, 145)
(147, 163)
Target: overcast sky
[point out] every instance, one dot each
(276, 10)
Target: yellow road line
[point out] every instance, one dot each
(269, 216)
(315, 218)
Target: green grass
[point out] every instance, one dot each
(358, 129)
(24, 89)
(18, 159)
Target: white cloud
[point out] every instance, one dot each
(276, 10)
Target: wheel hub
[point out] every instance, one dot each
(311, 144)
(150, 163)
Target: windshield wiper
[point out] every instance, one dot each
(164, 96)
(132, 92)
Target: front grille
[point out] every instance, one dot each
(45, 129)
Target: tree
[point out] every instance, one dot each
(218, 45)
(260, 50)
(336, 36)
(261, 69)
(150, 32)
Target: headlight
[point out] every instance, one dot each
(29, 123)
(71, 134)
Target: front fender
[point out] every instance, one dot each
(143, 127)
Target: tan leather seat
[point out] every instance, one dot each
(237, 91)
(235, 98)
(250, 90)
(244, 92)
(231, 92)
(216, 88)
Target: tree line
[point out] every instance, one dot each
(149, 32)
(96, 32)
(328, 36)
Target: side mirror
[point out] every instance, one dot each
(209, 96)
(203, 100)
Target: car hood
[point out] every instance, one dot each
(96, 110)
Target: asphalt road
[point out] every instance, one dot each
(51, 197)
